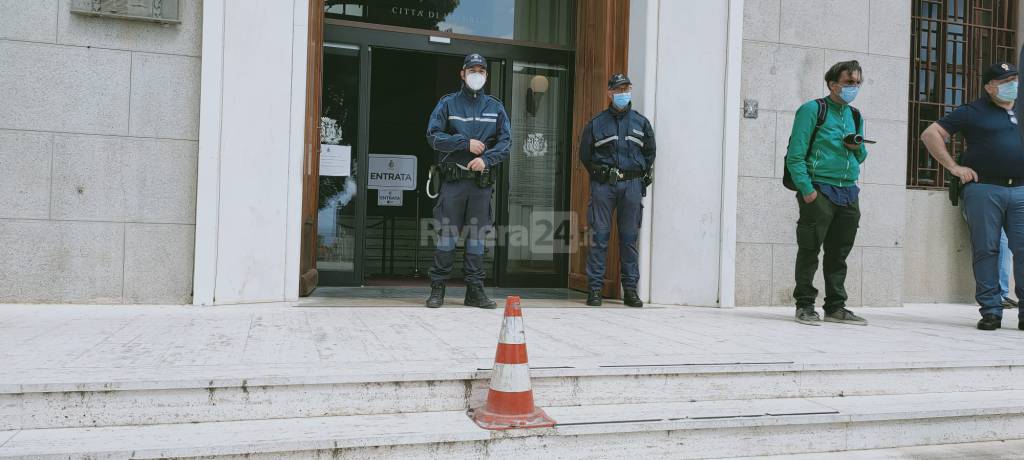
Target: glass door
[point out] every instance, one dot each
(366, 232)
(535, 226)
(399, 232)
(338, 227)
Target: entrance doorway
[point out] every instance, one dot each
(398, 236)
(373, 223)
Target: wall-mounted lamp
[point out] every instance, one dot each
(538, 86)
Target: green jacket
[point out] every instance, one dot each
(830, 162)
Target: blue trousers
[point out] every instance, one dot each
(1005, 265)
(1005, 259)
(991, 211)
(624, 199)
(463, 209)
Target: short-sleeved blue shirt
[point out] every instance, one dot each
(994, 144)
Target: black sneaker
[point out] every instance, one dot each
(808, 316)
(1009, 303)
(476, 297)
(594, 298)
(436, 298)
(632, 299)
(990, 322)
(842, 315)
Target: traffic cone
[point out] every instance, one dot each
(510, 397)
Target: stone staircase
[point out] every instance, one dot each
(669, 409)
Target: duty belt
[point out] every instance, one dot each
(630, 175)
(612, 175)
(452, 172)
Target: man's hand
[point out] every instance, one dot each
(810, 198)
(964, 173)
(477, 164)
(476, 147)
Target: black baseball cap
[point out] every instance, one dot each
(998, 71)
(474, 59)
(618, 80)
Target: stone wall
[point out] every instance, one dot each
(937, 257)
(98, 141)
(788, 46)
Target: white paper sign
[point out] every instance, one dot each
(392, 172)
(335, 160)
(389, 197)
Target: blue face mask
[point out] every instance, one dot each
(621, 100)
(1008, 91)
(849, 93)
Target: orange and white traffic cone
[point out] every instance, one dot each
(510, 398)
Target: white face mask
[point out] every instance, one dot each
(475, 81)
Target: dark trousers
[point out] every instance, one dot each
(990, 210)
(463, 209)
(624, 198)
(822, 223)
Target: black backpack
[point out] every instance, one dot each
(787, 180)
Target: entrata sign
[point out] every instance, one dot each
(392, 172)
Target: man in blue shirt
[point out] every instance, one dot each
(992, 171)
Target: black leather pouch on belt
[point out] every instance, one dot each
(485, 178)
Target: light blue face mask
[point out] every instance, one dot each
(1008, 91)
(621, 100)
(849, 93)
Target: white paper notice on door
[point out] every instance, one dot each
(335, 160)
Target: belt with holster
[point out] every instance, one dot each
(612, 175)
(452, 172)
(1002, 181)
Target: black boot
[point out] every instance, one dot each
(990, 322)
(436, 298)
(476, 297)
(594, 298)
(631, 299)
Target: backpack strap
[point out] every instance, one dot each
(857, 121)
(822, 115)
(822, 112)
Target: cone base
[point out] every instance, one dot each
(492, 421)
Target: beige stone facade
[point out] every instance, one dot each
(99, 130)
(788, 46)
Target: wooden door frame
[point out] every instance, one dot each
(308, 274)
(602, 44)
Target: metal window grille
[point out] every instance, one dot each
(952, 41)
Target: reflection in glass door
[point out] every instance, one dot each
(339, 127)
(539, 105)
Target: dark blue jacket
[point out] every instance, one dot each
(466, 115)
(623, 139)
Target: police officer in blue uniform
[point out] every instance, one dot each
(617, 148)
(471, 134)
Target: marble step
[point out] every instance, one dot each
(682, 430)
(991, 450)
(141, 396)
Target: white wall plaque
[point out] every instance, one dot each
(161, 11)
